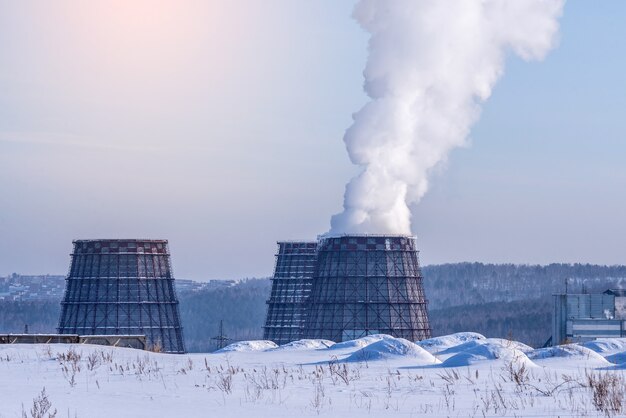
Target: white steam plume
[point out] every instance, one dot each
(431, 64)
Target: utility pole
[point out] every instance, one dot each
(221, 339)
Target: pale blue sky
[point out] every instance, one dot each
(218, 126)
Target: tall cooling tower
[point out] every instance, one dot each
(122, 287)
(291, 286)
(367, 285)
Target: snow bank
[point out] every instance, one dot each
(514, 345)
(306, 345)
(618, 358)
(621, 366)
(246, 346)
(490, 350)
(436, 344)
(603, 345)
(361, 342)
(570, 351)
(112, 382)
(612, 349)
(389, 348)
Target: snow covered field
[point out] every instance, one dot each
(457, 375)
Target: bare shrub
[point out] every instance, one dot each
(48, 351)
(518, 373)
(143, 366)
(106, 356)
(41, 407)
(607, 392)
(188, 367)
(93, 360)
(450, 376)
(319, 394)
(391, 386)
(225, 382)
(70, 356)
(70, 365)
(341, 372)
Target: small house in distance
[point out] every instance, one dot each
(584, 317)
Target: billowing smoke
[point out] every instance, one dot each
(431, 64)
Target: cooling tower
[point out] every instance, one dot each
(291, 286)
(122, 287)
(366, 285)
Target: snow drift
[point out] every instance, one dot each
(493, 350)
(604, 345)
(306, 344)
(360, 342)
(390, 348)
(246, 346)
(570, 351)
(437, 344)
(515, 345)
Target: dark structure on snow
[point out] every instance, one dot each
(366, 285)
(291, 287)
(577, 317)
(122, 287)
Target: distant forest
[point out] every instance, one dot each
(496, 300)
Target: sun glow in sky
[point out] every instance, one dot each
(218, 125)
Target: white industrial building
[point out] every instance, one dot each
(584, 317)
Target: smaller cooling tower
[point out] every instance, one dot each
(122, 287)
(367, 285)
(291, 286)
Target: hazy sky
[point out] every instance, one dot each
(218, 125)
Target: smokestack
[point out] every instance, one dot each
(291, 287)
(122, 287)
(367, 285)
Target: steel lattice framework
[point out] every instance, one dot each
(291, 286)
(367, 285)
(122, 287)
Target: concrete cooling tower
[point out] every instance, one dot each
(291, 287)
(122, 287)
(366, 285)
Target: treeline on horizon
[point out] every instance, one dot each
(497, 300)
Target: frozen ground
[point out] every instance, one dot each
(453, 376)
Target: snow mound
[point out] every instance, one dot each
(441, 343)
(618, 358)
(361, 342)
(621, 366)
(389, 348)
(602, 345)
(245, 346)
(570, 351)
(501, 342)
(493, 350)
(306, 345)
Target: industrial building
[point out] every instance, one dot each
(291, 287)
(584, 317)
(366, 284)
(127, 341)
(122, 287)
